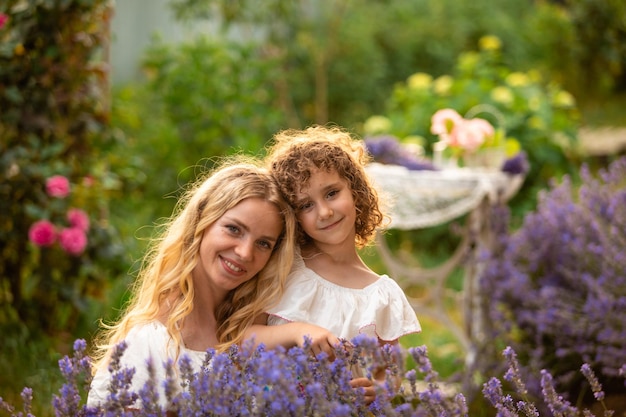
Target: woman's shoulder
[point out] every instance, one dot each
(146, 340)
(151, 328)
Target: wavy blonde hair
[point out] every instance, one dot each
(164, 285)
(295, 154)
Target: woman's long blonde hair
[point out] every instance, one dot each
(164, 284)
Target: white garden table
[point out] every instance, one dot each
(422, 199)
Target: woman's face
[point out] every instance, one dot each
(238, 245)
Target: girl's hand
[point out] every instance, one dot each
(369, 391)
(322, 340)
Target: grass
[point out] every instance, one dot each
(31, 364)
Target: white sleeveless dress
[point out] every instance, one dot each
(150, 340)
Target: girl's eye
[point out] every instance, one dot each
(333, 193)
(305, 206)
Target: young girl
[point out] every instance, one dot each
(330, 292)
(223, 257)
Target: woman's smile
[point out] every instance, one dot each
(232, 266)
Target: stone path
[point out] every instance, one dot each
(603, 140)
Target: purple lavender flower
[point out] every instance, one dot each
(388, 150)
(596, 387)
(248, 381)
(557, 404)
(517, 164)
(559, 281)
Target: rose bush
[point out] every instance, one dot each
(58, 251)
(73, 238)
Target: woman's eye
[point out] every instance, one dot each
(232, 229)
(265, 244)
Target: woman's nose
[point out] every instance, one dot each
(245, 250)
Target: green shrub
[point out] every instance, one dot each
(202, 100)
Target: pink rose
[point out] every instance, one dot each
(3, 20)
(444, 120)
(42, 233)
(58, 186)
(88, 181)
(78, 218)
(472, 133)
(73, 240)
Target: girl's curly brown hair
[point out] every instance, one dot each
(294, 154)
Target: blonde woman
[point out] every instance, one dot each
(220, 261)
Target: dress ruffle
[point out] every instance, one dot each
(379, 310)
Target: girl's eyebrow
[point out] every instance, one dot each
(324, 189)
(300, 201)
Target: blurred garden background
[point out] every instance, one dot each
(129, 100)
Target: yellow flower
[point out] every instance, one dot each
(517, 79)
(512, 146)
(419, 81)
(564, 99)
(443, 84)
(536, 122)
(468, 60)
(19, 49)
(377, 124)
(534, 103)
(535, 76)
(502, 95)
(489, 43)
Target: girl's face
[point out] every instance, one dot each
(238, 245)
(325, 209)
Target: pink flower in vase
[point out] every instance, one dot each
(444, 121)
(73, 240)
(58, 186)
(78, 218)
(42, 233)
(471, 134)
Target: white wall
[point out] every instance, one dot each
(134, 24)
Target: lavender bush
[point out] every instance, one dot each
(387, 149)
(251, 381)
(558, 285)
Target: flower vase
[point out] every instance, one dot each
(443, 158)
(487, 158)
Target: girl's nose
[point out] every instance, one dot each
(325, 211)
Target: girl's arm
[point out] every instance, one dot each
(292, 334)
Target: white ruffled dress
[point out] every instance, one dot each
(379, 310)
